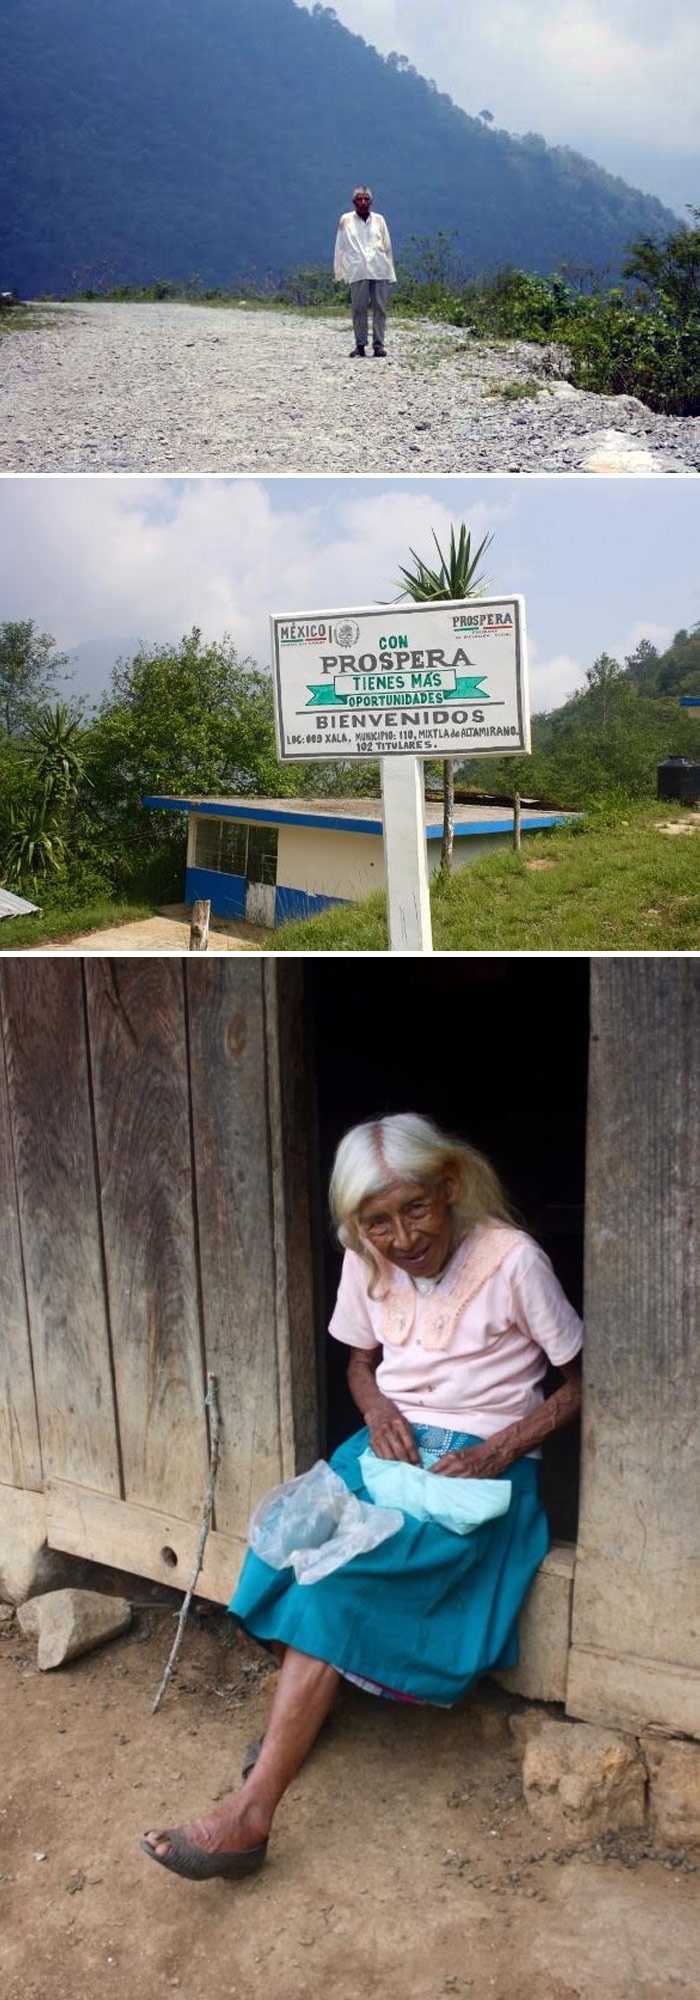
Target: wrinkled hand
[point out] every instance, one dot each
(390, 1435)
(474, 1461)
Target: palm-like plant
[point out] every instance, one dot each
(34, 843)
(457, 577)
(57, 762)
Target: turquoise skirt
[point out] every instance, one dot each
(425, 1614)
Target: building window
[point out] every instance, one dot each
(262, 854)
(231, 848)
(232, 853)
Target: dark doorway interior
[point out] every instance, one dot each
(495, 1049)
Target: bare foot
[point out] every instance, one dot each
(233, 1827)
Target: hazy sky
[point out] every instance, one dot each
(617, 79)
(106, 563)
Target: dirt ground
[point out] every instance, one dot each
(167, 930)
(403, 1860)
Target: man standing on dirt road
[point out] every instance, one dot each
(363, 260)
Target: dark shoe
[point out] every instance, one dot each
(186, 1859)
(357, 354)
(379, 352)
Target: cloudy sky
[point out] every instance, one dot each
(617, 79)
(106, 564)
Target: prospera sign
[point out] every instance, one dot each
(447, 680)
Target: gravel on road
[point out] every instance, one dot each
(164, 388)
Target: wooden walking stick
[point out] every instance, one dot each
(212, 1405)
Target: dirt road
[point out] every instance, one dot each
(177, 388)
(403, 1860)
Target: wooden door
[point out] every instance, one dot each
(154, 1225)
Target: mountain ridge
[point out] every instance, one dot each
(225, 138)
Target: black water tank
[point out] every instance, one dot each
(677, 778)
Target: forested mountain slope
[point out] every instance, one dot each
(147, 138)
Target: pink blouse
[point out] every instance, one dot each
(472, 1354)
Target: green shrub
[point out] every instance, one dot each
(513, 392)
(619, 350)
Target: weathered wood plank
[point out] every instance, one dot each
(23, 1533)
(47, 1076)
(636, 1591)
(287, 1085)
(142, 1121)
(232, 1166)
(140, 1539)
(20, 1453)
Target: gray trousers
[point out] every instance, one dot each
(376, 289)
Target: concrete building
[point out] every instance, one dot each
(268, 860)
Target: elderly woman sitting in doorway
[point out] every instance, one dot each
(451, 1314)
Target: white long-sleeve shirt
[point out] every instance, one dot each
(363, 249)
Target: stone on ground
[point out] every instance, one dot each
(69, 1622)
(28, 1617)
(583, 1781)
(674, 1789)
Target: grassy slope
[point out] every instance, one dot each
(20, 933)
(626, 887)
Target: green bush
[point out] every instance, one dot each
(619, 350)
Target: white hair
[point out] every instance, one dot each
(409, 1147)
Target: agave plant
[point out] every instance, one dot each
(457, 577)
(34, 843)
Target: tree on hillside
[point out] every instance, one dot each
(669, 271)
(179, 720)
(458, 576)
(603, 681)
(641, 665)
(191, 717)
(30, 667)
(605, 742)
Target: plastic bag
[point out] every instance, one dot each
(314, 1524)
(458, 1504)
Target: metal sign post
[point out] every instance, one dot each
(394, 684)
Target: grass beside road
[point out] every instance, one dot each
(20, 933)
(25, 319)
(626, 886)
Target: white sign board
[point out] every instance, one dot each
(427, 680)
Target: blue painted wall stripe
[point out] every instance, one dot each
(226, 893)
(294, 903)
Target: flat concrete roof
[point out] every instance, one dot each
(353, 815)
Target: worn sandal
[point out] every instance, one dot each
(186, 1859)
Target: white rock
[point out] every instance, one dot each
(68, 1622)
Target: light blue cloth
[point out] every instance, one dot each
(458, 1504)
